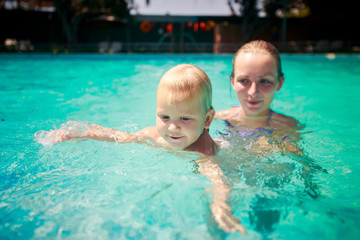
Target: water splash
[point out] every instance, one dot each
(67, 131)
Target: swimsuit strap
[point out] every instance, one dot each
(235, 113)
(268, 119)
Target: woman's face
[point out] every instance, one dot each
(256, 82)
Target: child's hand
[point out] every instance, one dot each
(61, 135)
(226, 220)
(67, 131)
(47, 138)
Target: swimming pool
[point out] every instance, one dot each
(100, 190)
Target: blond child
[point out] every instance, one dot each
(184, 113)
(183, 116)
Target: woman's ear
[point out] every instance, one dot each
(209, 117)
(281, 82)
(232, 80)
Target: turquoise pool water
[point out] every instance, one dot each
(97, 190)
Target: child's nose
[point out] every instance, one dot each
(173, 126)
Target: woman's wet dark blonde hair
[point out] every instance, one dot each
(262, 47)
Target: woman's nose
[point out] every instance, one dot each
(253, 89)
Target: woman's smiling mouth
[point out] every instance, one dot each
(254, 103)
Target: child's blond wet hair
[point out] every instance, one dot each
(262, 47)
(185, 81)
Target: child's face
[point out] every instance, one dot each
(180, 124)
(255, 82)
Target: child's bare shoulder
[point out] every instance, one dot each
(149, 132)
(149, 135)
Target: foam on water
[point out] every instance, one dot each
(48, 138)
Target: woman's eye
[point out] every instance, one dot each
(265, 82)
(243, 81)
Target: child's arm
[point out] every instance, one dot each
(220, 190)
(97, 132)
(78, 130)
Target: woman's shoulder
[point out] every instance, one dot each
(226, 114)
(283, 121)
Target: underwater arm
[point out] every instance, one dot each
(220, 190)
(290, 146)
(289, 137)
(284, 141)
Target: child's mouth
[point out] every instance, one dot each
(175, 138)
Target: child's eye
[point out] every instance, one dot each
(185, 118)
(164, 117)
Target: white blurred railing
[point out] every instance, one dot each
(168, 47)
